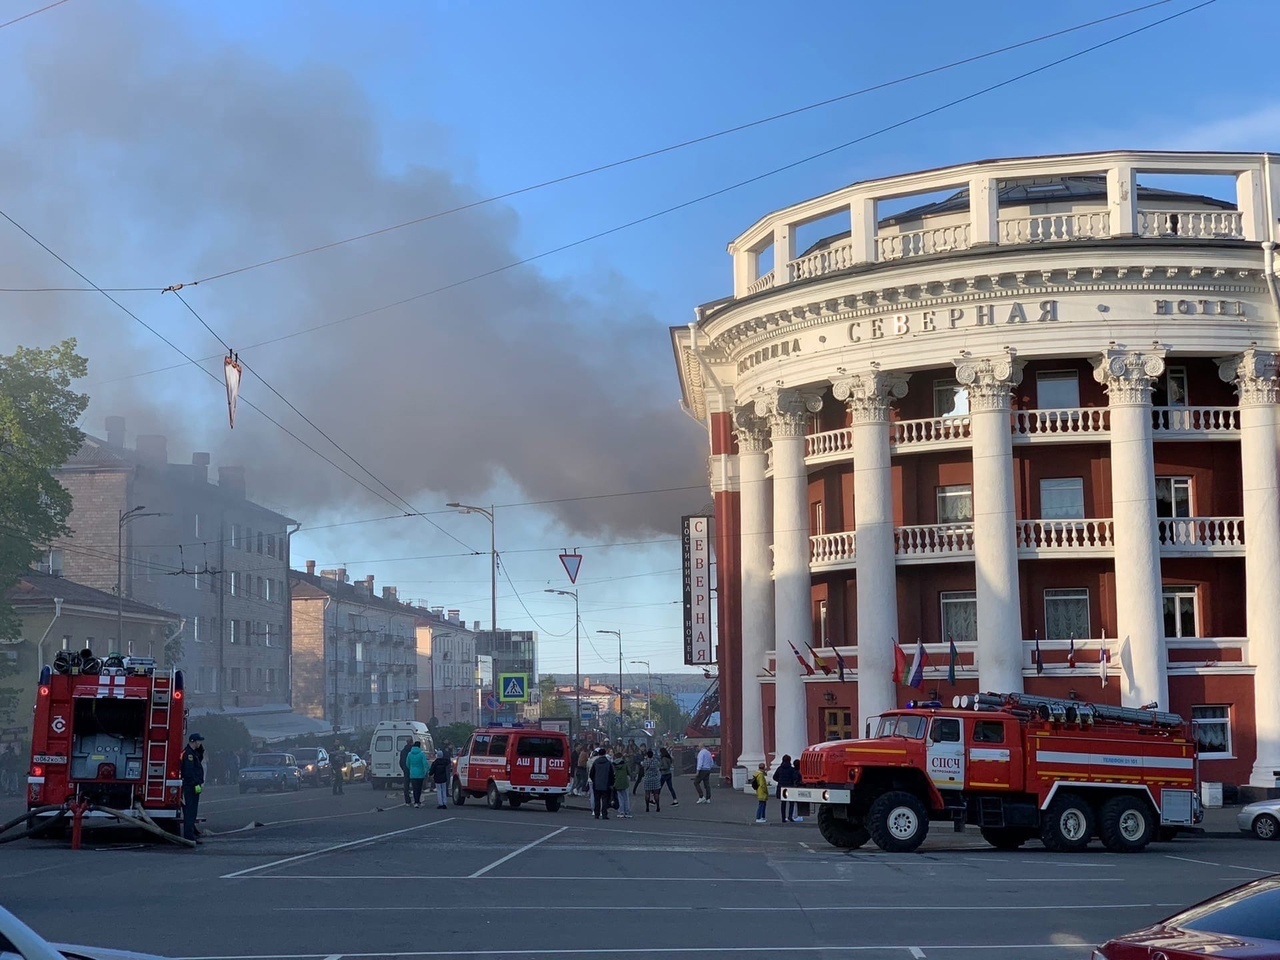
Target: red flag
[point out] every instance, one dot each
(818, 661)
(899, 663)
(803, 662)
(1071, 653)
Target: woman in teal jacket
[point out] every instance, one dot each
(417, 764)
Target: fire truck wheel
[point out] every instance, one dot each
(898, 822)
(1006, 838)
(1068, 824)
(553, 804)
(494, 797)
(1266, 827)
(1126, 824)
(845, 834)
(459, 798)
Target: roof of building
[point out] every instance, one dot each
(40, 589)
(312, 586)
(98, 453)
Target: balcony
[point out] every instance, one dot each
(935, 433)
(1195, 423)
(1051, 228)
(933, 542)
(831, 551)
(1056, 538)
(1073, 425)
(1201, 536)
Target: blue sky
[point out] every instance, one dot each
(140, 133)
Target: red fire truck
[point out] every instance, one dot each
(109, 735)
(514, 764)
(1016, 766)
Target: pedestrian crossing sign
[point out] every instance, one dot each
(513, 687)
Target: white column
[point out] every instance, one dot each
(754, 536)
(787, 411)
(984, 211)
(869, 395)
(1122, 200)
(1127, 377)
(995, 550)
(862, 229)
(1257, 378)
(784, 251)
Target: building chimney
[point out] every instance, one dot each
(153, 448)
(311, 568)
(200, 463)
(230, 479)
(115, 432)
(390, 593)
(368, 583)
(438, 611)
(455, 616)
(342, 575)
(475, 626)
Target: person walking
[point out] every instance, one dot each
(702, 775)
(192, 770)
(404, 768)
(787, 776)
(584, 758)
(416, 765)
(338, 761)
(666, 766)
(652, 782)
(760, 780)
(602, 777)
(622, 784)
(440, 777)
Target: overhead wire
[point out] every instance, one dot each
(48, 6)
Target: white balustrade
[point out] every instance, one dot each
(838, 256)
(916, 243)
(832, 549)
(931, 431)
(1068, 423)
(934, 541)
(830, 445)
(761, 283)
(1195, 422)
(1056, 226)
(1190, 536)
(1054, 537)
(1197, 224)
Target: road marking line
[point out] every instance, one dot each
(334, 956)
(1250, 869)
(507, 908)
(515, 853)
(1206, 863)
(642, 951)
(338, 846)
(917, 953)
(1055, 880)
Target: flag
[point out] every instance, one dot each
(918, 664)
(1071, 653)
(803, 662)
(1104, 661)
(899, 663)
(818, 661)
(232, 371)
(1039, 659)
(953, 657)
(839, 664)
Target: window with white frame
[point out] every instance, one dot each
(51, 562)
(822, 621)
(1213, 730)
(1175, 387)
(233, 631)
(959, 615)
(1066, 613)
(1062, 498)
(233, 583)
(1173, 497)
(817, 522)
(1180, 611)
(950, 399)
(955, 503)
(195, 629)
(1057, 389)
(235, 536)
(267, 593)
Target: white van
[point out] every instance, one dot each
(389, 737)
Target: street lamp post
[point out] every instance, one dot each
(577, 654)
(125, 517)
(618, 634)
(493, 557)
(648, 702)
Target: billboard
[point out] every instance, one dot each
(695, 533)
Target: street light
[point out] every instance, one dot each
(577, 653)
(125, 517)
(618, 634)
(493, 557)
(648, 704)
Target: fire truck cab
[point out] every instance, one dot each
(1018, 767)
(514, 764)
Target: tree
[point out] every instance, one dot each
(553, 708)
(38, 434)
(667, 714)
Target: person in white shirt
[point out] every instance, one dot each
(702, 778)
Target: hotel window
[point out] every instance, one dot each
(955, 503)
(1180, 612)
(822, 622)
(1066, 614)
(1173, 497)
(1175, 387)
(1062, 498)
(950, 399)
(959, 615)
(1057, 389)
(837, 724)
(1213, 730)
(816, 520)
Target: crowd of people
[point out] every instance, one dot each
(612, 775)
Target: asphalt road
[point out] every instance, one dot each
(326, 877)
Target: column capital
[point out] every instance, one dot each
(1127, 375)
(869, 394)
(990, 379)
(786, 410)
(750, 430)
(1255, 374)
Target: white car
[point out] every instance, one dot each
(20, 942)
(1261, 818)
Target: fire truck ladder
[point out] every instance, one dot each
(1051, 708)
(158, 736)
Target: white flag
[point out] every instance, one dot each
(231, 371)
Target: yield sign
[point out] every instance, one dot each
(572, 563)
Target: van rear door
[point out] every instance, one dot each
(541, 760)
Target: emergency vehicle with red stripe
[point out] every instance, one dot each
(108, 734)
(1016, 766)
(515, 765)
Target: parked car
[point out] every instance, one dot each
(1261, 818)
(314, 764)
(1241, 923)
(271, 771)
(355, 769)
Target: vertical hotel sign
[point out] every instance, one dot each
(696, 537)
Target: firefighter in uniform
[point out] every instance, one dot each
(192, 783)
(337, 762)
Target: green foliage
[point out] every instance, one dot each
(222, 734)
(454, 733)
(667, 714)
(553, 708)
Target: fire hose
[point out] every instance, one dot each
(33, 828)
(138, 817)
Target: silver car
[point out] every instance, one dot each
(1261, 818)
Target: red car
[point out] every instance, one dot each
(1240, 923)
